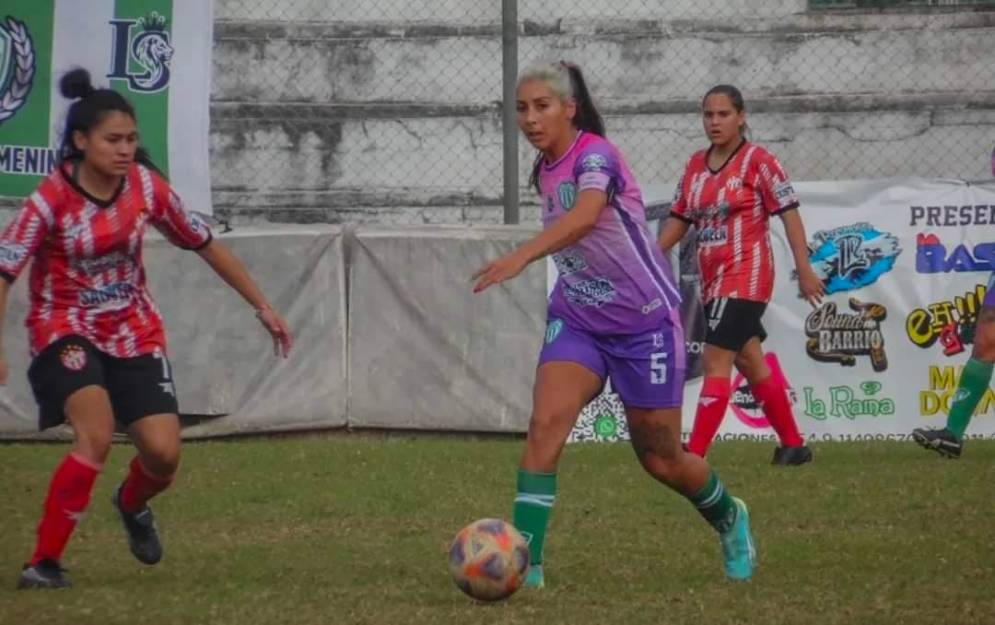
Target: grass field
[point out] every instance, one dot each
(355, 529)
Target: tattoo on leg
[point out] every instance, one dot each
(656, 439)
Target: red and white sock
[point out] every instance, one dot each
(68, 497)
(712, 404)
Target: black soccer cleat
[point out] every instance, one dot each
(143, 538)
(45, 574)
(943, 442)
(792, 456)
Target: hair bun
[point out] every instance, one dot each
(76, 84)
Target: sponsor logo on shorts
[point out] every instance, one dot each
(841, 337)
(73, 357)
(553, 330)
(952, 321)
(851, 257)
(932, 256)
(846, 401)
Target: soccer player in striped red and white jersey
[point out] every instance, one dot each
(729, 192)
(96, 337)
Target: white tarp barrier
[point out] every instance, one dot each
(907, 263)
(424, 351)
(222, 359)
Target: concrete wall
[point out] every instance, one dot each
(390, 113)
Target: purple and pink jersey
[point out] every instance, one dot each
(615, 280)
(615, 308)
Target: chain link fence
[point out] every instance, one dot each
(390, 111)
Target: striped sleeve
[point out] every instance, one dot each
(22, 237)
(774, 187)
(183, 228)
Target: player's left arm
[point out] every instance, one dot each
(809, 284)
(230, 268)
(564, 232)
(595, 171)
(188, 231)
(780, 198)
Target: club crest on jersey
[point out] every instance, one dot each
(567, 192)
(594, 162)
(851, 257)
(150, 49)
(73, 357)
(569, 262)
(17, 66)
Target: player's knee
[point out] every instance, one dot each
(163, 461)
(94, 443)
(545, 425)
(666, 469)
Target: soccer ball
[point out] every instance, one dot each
(489, 559)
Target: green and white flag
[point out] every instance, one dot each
(157, 53)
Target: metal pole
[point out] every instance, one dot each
(509, 117)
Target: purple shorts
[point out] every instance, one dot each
(646, 370)
(990, 292)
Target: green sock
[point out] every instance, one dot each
(715, 504)
(972, 386)
(533, 503)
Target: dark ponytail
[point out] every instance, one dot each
(738, 103)
(89, 109)
(587, 117)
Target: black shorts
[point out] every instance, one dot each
(730, 323)
(138, 387)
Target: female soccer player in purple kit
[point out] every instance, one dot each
(614, 311)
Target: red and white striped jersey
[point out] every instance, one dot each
(730, 210)
(87, 277)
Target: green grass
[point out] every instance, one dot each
(355, 529)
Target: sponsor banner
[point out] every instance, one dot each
(157, 53)
(906, 264)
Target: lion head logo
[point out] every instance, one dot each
(153, 51)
